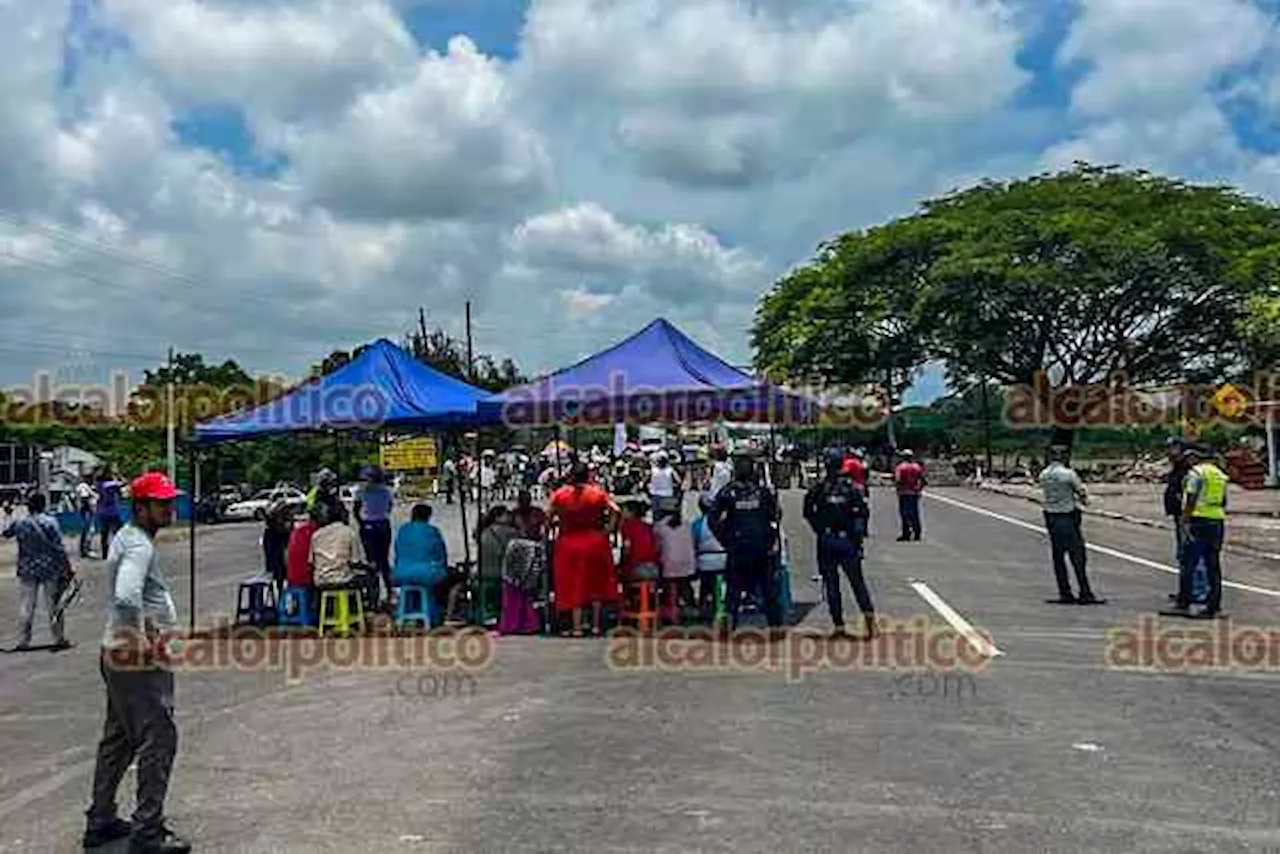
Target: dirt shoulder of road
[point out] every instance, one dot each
(1253, 527)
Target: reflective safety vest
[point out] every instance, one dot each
(1212, 500)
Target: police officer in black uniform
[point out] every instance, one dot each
(745, 519)
(836, 510)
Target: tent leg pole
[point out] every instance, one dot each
(193, 462)
(559, 471)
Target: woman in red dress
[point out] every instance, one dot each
(583, 558)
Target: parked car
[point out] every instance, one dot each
(347, 495)
(256, 507)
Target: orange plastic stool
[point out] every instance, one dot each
(646, 616)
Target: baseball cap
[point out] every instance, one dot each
(153, 486)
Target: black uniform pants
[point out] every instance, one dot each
(836, 554)
(753, 570)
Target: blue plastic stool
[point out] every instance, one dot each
(256, 602)
(415, 604)
(295, 607)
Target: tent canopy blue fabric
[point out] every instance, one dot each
(383, 388)
(659, 374)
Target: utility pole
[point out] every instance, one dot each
(471, 365)
(171, 431)
(422, 327)
(986, 423)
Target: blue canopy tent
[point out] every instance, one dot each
(383, 389)
(658, 374)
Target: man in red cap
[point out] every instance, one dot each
(139, 720)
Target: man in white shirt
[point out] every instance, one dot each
(335, 554)
(664, 485)
(86, 498)
(139, 688)
(721, 471)
(1064, 496)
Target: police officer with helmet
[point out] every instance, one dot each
(836, 510)
(746, 519)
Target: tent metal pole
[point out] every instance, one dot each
(559, 471)
(193, 463)
(463, 489)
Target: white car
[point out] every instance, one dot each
(347, 495)
(256, 507)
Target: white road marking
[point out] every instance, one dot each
(959, 623)
(1141, 561)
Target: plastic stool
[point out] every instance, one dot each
(295, 606)
(721, 596)
(347, 611)
(415, 604)
(256, 602)
(646, 616)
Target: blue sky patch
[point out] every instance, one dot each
(494, 25)
(224, 131)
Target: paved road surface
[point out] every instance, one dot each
(1045, 750)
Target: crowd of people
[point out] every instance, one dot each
(598, 548)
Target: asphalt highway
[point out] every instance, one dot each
(1047, 743)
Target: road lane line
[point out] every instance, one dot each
(959, 623)
(1141, 561)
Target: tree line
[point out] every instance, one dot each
(1085, 275)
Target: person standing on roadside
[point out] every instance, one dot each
(1174, 490)
(86, 498)
(909, 479)
(108, 489)
(1205, 510)
(1064, 496)
(373, 505)
(42, 566)
(837, 512)
(139, 722)
(721, 471)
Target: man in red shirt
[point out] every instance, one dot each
(909, 478)
(298, 569)
(854, 467)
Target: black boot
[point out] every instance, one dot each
(167, 842)
(105, 834)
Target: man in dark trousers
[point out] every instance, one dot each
(1205, 511)
(837, 512)
(1174, 485)
(745, 519)
(1064, 496)
(139, 687)
(909, 480)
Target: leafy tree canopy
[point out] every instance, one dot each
(1080, 274)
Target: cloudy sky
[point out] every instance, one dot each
(269, 179)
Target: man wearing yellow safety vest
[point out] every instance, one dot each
(1205, 511)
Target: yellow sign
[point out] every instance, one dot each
(416, 454)
(1230, 401)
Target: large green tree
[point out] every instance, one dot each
(1080, 274)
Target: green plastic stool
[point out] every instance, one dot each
(721, 594)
